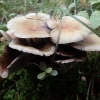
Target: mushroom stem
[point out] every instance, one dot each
(6, 35)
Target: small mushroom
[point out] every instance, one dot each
(7, 57)
(91, 43)
(74, 59)
(71, 29)
(22, 45)
(70, 54)
(6, 36)
(66, 50)
(2, 39)
(38, 16)
(10, 34)
(24, 61)
(19, 63)
(30, 26)
(31, 16)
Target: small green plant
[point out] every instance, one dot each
(47, 71)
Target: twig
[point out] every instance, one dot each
(88, 90)
(92, 85)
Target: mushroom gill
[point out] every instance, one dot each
(46, 49)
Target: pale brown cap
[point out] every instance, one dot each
(31, 16)
(2, 39)
(10, 34)
(29, 26)
(91, 43)
(71, 31)
(68, 54)
(38, 16)
(22, 45)
(4, 73)
(43, 16)
(79, 57)
(7, 56)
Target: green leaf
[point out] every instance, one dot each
(48, 70)
(94, 1)
(95, 19)
(12, 14)
(54, 73)
(84, 14)
(41, 75)
(94, 31)
(72, 5)
(3, 27)
(43, 66)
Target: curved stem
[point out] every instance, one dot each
(6, 35)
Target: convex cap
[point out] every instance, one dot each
(91, 43)
(71, 29)
(68, 54)
(30, 26)
(22, 45)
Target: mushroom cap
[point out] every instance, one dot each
(71, 29)
(38, 16)
(79, 57)
(10, 34)
(65, 61)
(43, 16)
(29, 26)
(31, 16)
(4, 73)
(17, 64)
(22, 45)
(68, 54)
(7, 56)
(21, 62)
(91, 43)
(66, 50)
(53, 23)
(70, 60)
(2, 39)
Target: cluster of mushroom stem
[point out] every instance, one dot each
(33, 38)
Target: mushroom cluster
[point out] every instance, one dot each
(33, 38)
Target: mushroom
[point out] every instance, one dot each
(66, 50)
(71, 29)
(6, 36)
(68, 54)
(2, 39)
(24, 61)
(12, 62)
(22, 45)
(91, 43)
(19, 63)
(7, 57)
(30, 26)
(38, 16)
(28, 29)
(10, 34)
